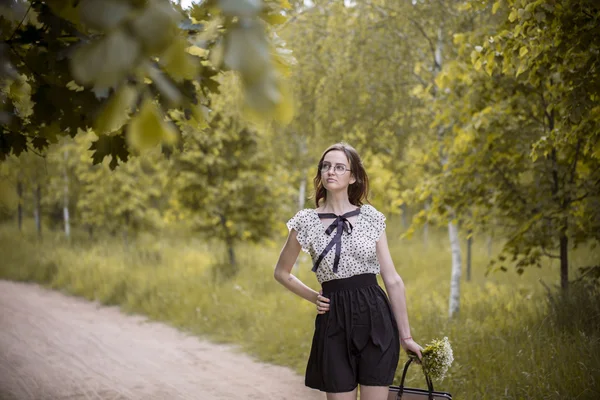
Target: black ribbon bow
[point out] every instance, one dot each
(342, 224)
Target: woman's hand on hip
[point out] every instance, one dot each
(322, 303)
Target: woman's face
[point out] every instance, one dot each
(333, 179)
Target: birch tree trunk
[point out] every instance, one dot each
(66, 198)
(469, 253)
(454, 300)
(454, 303)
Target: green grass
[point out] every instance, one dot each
(508, 342)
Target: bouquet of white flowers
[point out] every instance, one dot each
(437, 358)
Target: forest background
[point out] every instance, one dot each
(161, 181)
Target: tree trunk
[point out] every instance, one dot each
(229, 242)
(20, 206)
(231, 254)
(426, 225)
(404, 209)
(37, 194)
(126, 231)
(469, 249)
(301, 200)
(302, 190)
(454, 303)
(564, 258)
(66, 199)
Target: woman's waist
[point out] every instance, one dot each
(353, 282)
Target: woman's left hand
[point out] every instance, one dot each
(412, 346)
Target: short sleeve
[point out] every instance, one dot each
(375, 221)
(302, 223)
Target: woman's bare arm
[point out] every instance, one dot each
(283, 270)
(394, 286)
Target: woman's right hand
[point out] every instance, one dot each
(322, 303)
(412, 348)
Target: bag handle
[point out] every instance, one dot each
(401, 387)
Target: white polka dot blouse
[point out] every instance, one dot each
(356, 253)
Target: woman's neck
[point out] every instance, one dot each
(337, 203)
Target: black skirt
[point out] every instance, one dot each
(357, 340)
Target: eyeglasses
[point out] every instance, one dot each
(339, 169)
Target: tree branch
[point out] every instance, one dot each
(550, 255)
(510, 185)
(21, 23)
(420, 29)
(35, 152)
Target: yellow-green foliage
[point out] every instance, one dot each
(507, 342)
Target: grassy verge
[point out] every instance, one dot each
(507, 342)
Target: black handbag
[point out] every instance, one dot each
(404, 393)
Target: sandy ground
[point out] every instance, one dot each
(56, 347)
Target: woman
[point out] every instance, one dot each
(358, 332)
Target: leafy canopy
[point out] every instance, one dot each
(120, 66)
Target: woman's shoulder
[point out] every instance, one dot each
(374, 221)
(371, 212)
(304, 213)
(304, 217)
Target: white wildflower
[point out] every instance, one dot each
(437, 358)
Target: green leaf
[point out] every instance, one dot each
(12, 141)
(109, 145)
(107, 61)
(103, 14)
(490, 61)
(116, 111)
(51, 132)
(200, 113)
(274, 18)
(524, 14)
(247, 51)
(540, 16)
(148, 128)
(240, 8)
(496, 6)
(523, 51)
(156, 26)
(39, 143)
(71, 85)
(596, 152)
(164, 85)
(179, 63)
(512, 17)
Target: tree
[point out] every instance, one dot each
(525, 122)
(119, 66)
(226, 181)
(431, 46)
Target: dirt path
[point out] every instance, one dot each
(56, 347)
